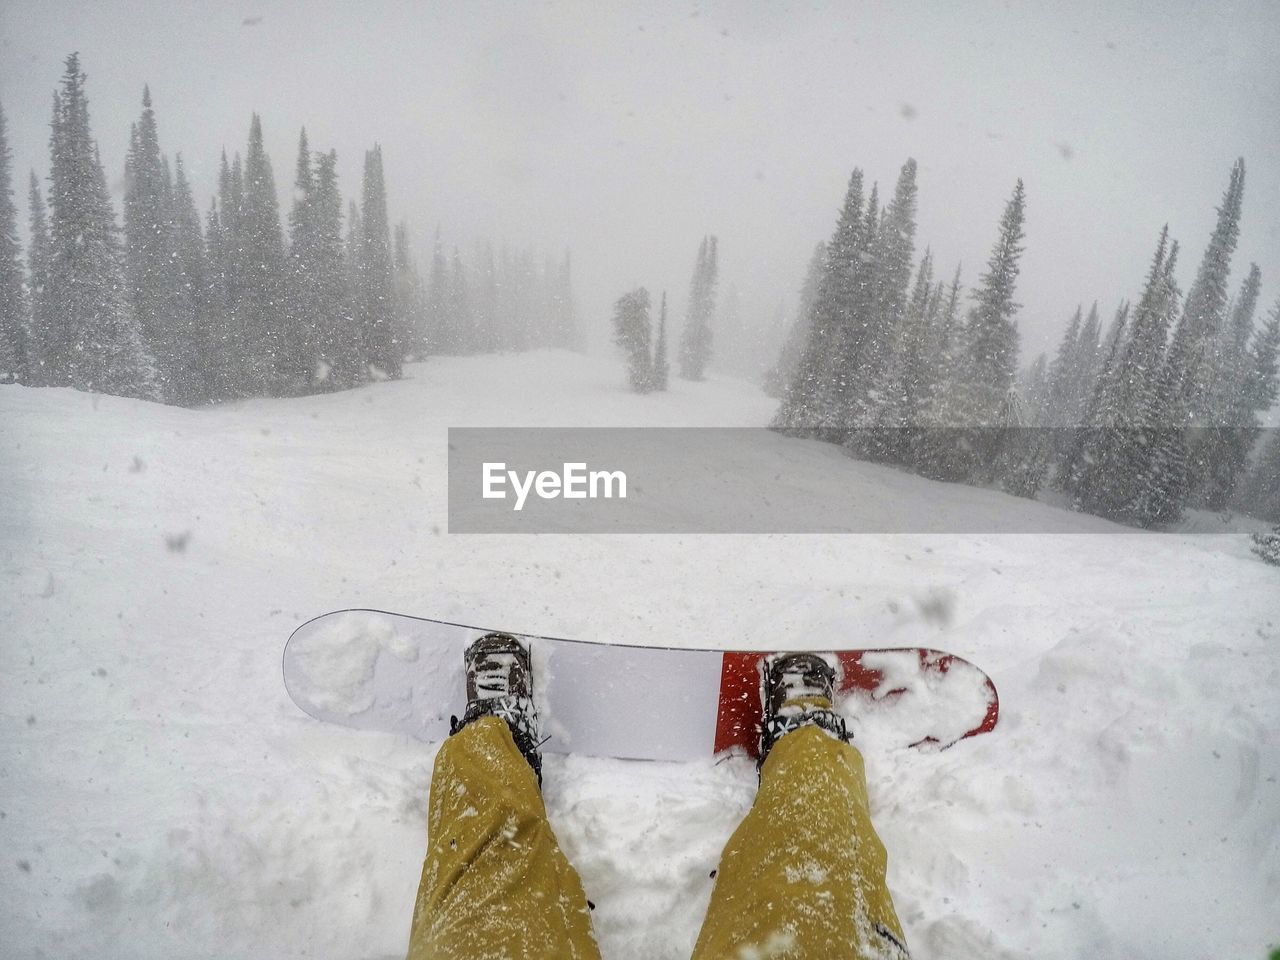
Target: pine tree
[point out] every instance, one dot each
(1022, 455)
(695, 342)
(91, 340)
(340, 360)
(1192, 352)
(631, 332)
(993, 335)
(411, 298)
(268, 343)
(897, 400)
(1061, 371)
(441, 337)
(458, 306)
(488, 332)
(384, 346)
(985, 360)
(1178, 465)
(1086, 468)
(1034, 385)
(160, 301)
(301, 348)
(1259, 495)
(224, 343)
(661, 369)
(783, 372)
(194, 283)
(815, 388)
(13, 300)
(878, 373)
(1085, 367)
(39, 368)
(1120, 448)
(933, 448)
(1231, 423)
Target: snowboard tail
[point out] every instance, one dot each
(370, 669)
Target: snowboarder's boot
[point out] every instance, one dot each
(500, 684)
(798, 690)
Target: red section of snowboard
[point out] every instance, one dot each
(739, 718)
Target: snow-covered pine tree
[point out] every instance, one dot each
(1023, 456)
(1087, 361)
(1033, 386)
(384, 347)
(1262, 370)
(92, 337)
(488, 334)
(300, 364)
(1119, 321)
(192, 272)
(441, 336)
(934, 447)
(1087, 468)
(458, 306)
(267, 347)
(1221, 448)
(13, 299)
(661, 367)
(1259, 495)
(38, 368)
(1083, 402)
(411, 298)
(695, 341)
(895, 402)
(231, 344)
(987, 362)
(160, 300)
(1193, 351)
(631, 332)
(1126, 436)
(877, 375)
(339, 363)
(815, 390)
(1056, 407)
(783, 372)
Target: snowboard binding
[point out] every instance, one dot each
(798, 690)
(500, 684)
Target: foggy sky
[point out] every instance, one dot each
(626, 133)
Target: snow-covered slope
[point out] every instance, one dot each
(160, 796)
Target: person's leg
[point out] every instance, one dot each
(803, 876)
(494, 883)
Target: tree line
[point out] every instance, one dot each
(647, 362)
(1157, 413)
(189, 311)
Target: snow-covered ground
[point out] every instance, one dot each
(160, 796)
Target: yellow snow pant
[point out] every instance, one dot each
(802, 878)
(495, 885)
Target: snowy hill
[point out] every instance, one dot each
(162, 797)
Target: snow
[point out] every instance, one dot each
(163, 797)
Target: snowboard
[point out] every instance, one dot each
(374, 670)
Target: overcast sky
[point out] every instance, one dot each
(626, 132)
